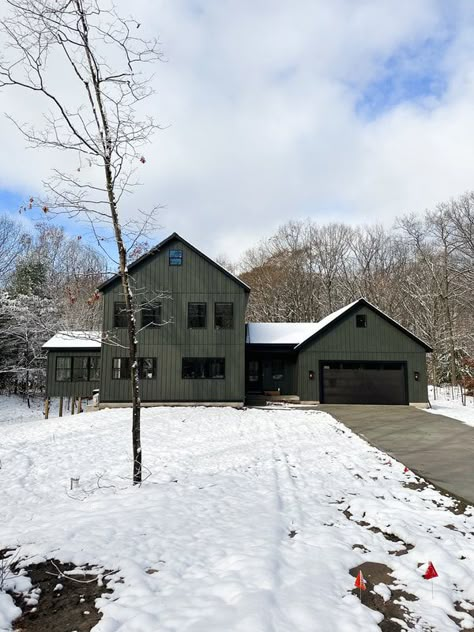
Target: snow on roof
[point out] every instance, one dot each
(74, 340)
(289, 333)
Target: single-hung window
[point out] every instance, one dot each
(224, 315)
(120, 315)
(63, 369)
(197, 313)
(94, 369)
(80, 368)
(361, 321)
(176, 257)
(120, 368)
(151, 315)
(147, 368)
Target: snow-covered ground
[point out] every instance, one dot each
(447, 401)
(249, 521)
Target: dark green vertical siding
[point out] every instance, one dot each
(379, 341)
(195, 281)
(68, 389)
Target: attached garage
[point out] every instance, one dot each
(363, 383)
(359, 355)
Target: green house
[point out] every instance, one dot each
(194, 346)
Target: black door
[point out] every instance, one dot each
(363, 383)
(254, 376)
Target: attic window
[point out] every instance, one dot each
(176, 257)
(361, 320)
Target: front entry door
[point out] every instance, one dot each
(254, 376)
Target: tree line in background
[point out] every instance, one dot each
(420, 272)
(48, 283)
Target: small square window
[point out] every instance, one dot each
(176, 257)
(147, 368)
(361, 320)
(120, 368)
(63, 369)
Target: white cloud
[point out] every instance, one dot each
(261, 102)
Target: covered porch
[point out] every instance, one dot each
(270, 374)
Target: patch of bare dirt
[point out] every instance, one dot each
(66, 598)
(392, 609)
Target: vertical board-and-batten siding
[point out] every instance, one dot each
(380, 341)
(196, 280)
(68, 389)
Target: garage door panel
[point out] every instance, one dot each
(363, 383)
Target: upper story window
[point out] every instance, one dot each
(151, 315)
(224, 315)
(197, 315)
(176, 257)
(120, 315)
(361, 320)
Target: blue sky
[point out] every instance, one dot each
(340, 111)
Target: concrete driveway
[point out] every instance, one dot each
(437, 448)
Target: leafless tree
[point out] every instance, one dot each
(94, 115)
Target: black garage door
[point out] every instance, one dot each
(363, 383)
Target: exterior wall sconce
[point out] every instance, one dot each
(311, 375)
(416, 375)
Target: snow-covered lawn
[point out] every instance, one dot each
(249, 521)
(448, 402)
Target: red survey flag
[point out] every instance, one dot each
(430, 572)
(360, 581)
(406, 470)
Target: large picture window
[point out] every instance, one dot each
(197, 315)
(63, 369)
(78, 369)
(120, 315)
(203, 368)
(224, 315)
(151, 315)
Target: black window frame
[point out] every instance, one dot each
(216, 316)
(155, 312)
(142, 374)
(194, 303)
(94, 370)
(82, 371)
(123, 368)
(68, 369)
(175, 257)
(206, 368)
(361, 321)
(120, 315)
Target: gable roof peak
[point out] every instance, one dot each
(156, 249)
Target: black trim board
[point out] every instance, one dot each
(157, 249)
(363, 302)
